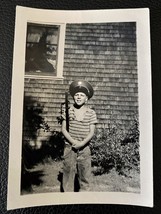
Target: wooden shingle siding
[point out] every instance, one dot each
(104, 54)
(49, 94)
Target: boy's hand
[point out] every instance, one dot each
(77, 145)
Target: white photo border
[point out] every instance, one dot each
(141, 17)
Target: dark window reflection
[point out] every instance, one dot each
(41, 49)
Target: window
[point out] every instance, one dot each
(43, 45)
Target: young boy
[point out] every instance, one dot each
(82, 120)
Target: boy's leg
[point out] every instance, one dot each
(69, 169)
(84, 169)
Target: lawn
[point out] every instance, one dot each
(45, 177)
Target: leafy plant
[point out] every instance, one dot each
(114, 147)
(33, 119)
(51, 146)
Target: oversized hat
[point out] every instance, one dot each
(81, 86)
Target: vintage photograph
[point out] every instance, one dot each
(81, 109)
(104, 55)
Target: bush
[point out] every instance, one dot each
(114, 147)
(33, 120)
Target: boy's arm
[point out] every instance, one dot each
(87, 139)
(66, 134)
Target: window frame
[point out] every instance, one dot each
(60, 53)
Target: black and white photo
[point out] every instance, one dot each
(106, 54)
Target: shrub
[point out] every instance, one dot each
(114, 147)
(33, 119)
(33, 122)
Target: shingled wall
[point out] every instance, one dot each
(105, 55)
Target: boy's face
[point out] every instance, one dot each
(80, 98)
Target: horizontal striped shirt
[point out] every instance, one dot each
(79, 129)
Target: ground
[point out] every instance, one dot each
(45, 177)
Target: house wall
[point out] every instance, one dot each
(106, 56)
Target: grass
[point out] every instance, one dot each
(112, 182)
(48, 180)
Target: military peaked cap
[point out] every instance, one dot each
(81, 86)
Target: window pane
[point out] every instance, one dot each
(41, 49)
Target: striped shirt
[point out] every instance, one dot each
(79, 129)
